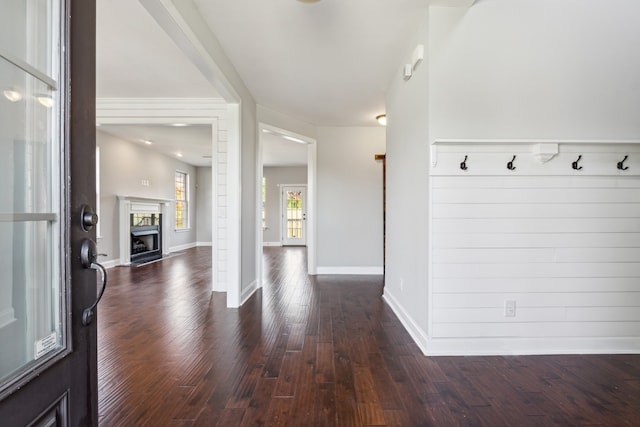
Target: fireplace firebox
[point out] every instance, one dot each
(146, 237)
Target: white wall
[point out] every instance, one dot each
(535, 69)
(502, 71)
(203, 209)
(123, 166)
(249, 190)
(275, 177)
(349, 197)
(407, 268)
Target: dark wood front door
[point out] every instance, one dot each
(48, 358)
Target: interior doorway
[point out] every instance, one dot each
(289, 142)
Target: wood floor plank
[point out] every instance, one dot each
(230, 417)
(274, 363)
(385, 387)
(325, 371)
(325, 406)
(368, 403)
(279, 412)
(243, 394)
(347, 412)
(307, 389)
(257, 411)
(288, 378)
(320, 351)
(296, 337)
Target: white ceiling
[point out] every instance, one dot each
(135, 58)
(193, 142)
(325, 63)
(278, 151)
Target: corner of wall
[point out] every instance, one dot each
(415, 331)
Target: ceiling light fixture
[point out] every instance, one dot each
(12, 95)
(382, 119)
(179, 154)
(179, 125)
(146, 141)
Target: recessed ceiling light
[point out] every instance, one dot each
(179, 154)
(179, 125)
(146, 141)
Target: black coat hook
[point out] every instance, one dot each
(574, 165)
(621, 165)
(463, 165)
(510, 164)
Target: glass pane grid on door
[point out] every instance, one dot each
(32, 295)
(294, 214)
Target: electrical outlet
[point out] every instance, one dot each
(509, 308)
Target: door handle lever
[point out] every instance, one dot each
(88, 256)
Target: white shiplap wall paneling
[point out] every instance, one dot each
(564, 244)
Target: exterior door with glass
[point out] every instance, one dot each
(48, 362)
(294, 215)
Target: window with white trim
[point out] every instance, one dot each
(182, 200)
(264, 201)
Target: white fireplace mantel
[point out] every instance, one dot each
(134, 204)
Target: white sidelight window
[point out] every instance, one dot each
(182, 200)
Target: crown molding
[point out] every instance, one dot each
(159, 110)
(160, 103)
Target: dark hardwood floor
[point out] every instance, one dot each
(320, 351)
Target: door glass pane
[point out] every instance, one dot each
(31, 291)
(27, 30)
(294, 214)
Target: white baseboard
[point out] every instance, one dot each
(248, 292)
(531, 346)
(350, 270)
(509, 346)
(182, 247)
(271, 244)
(204, 244)
(416, 332)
